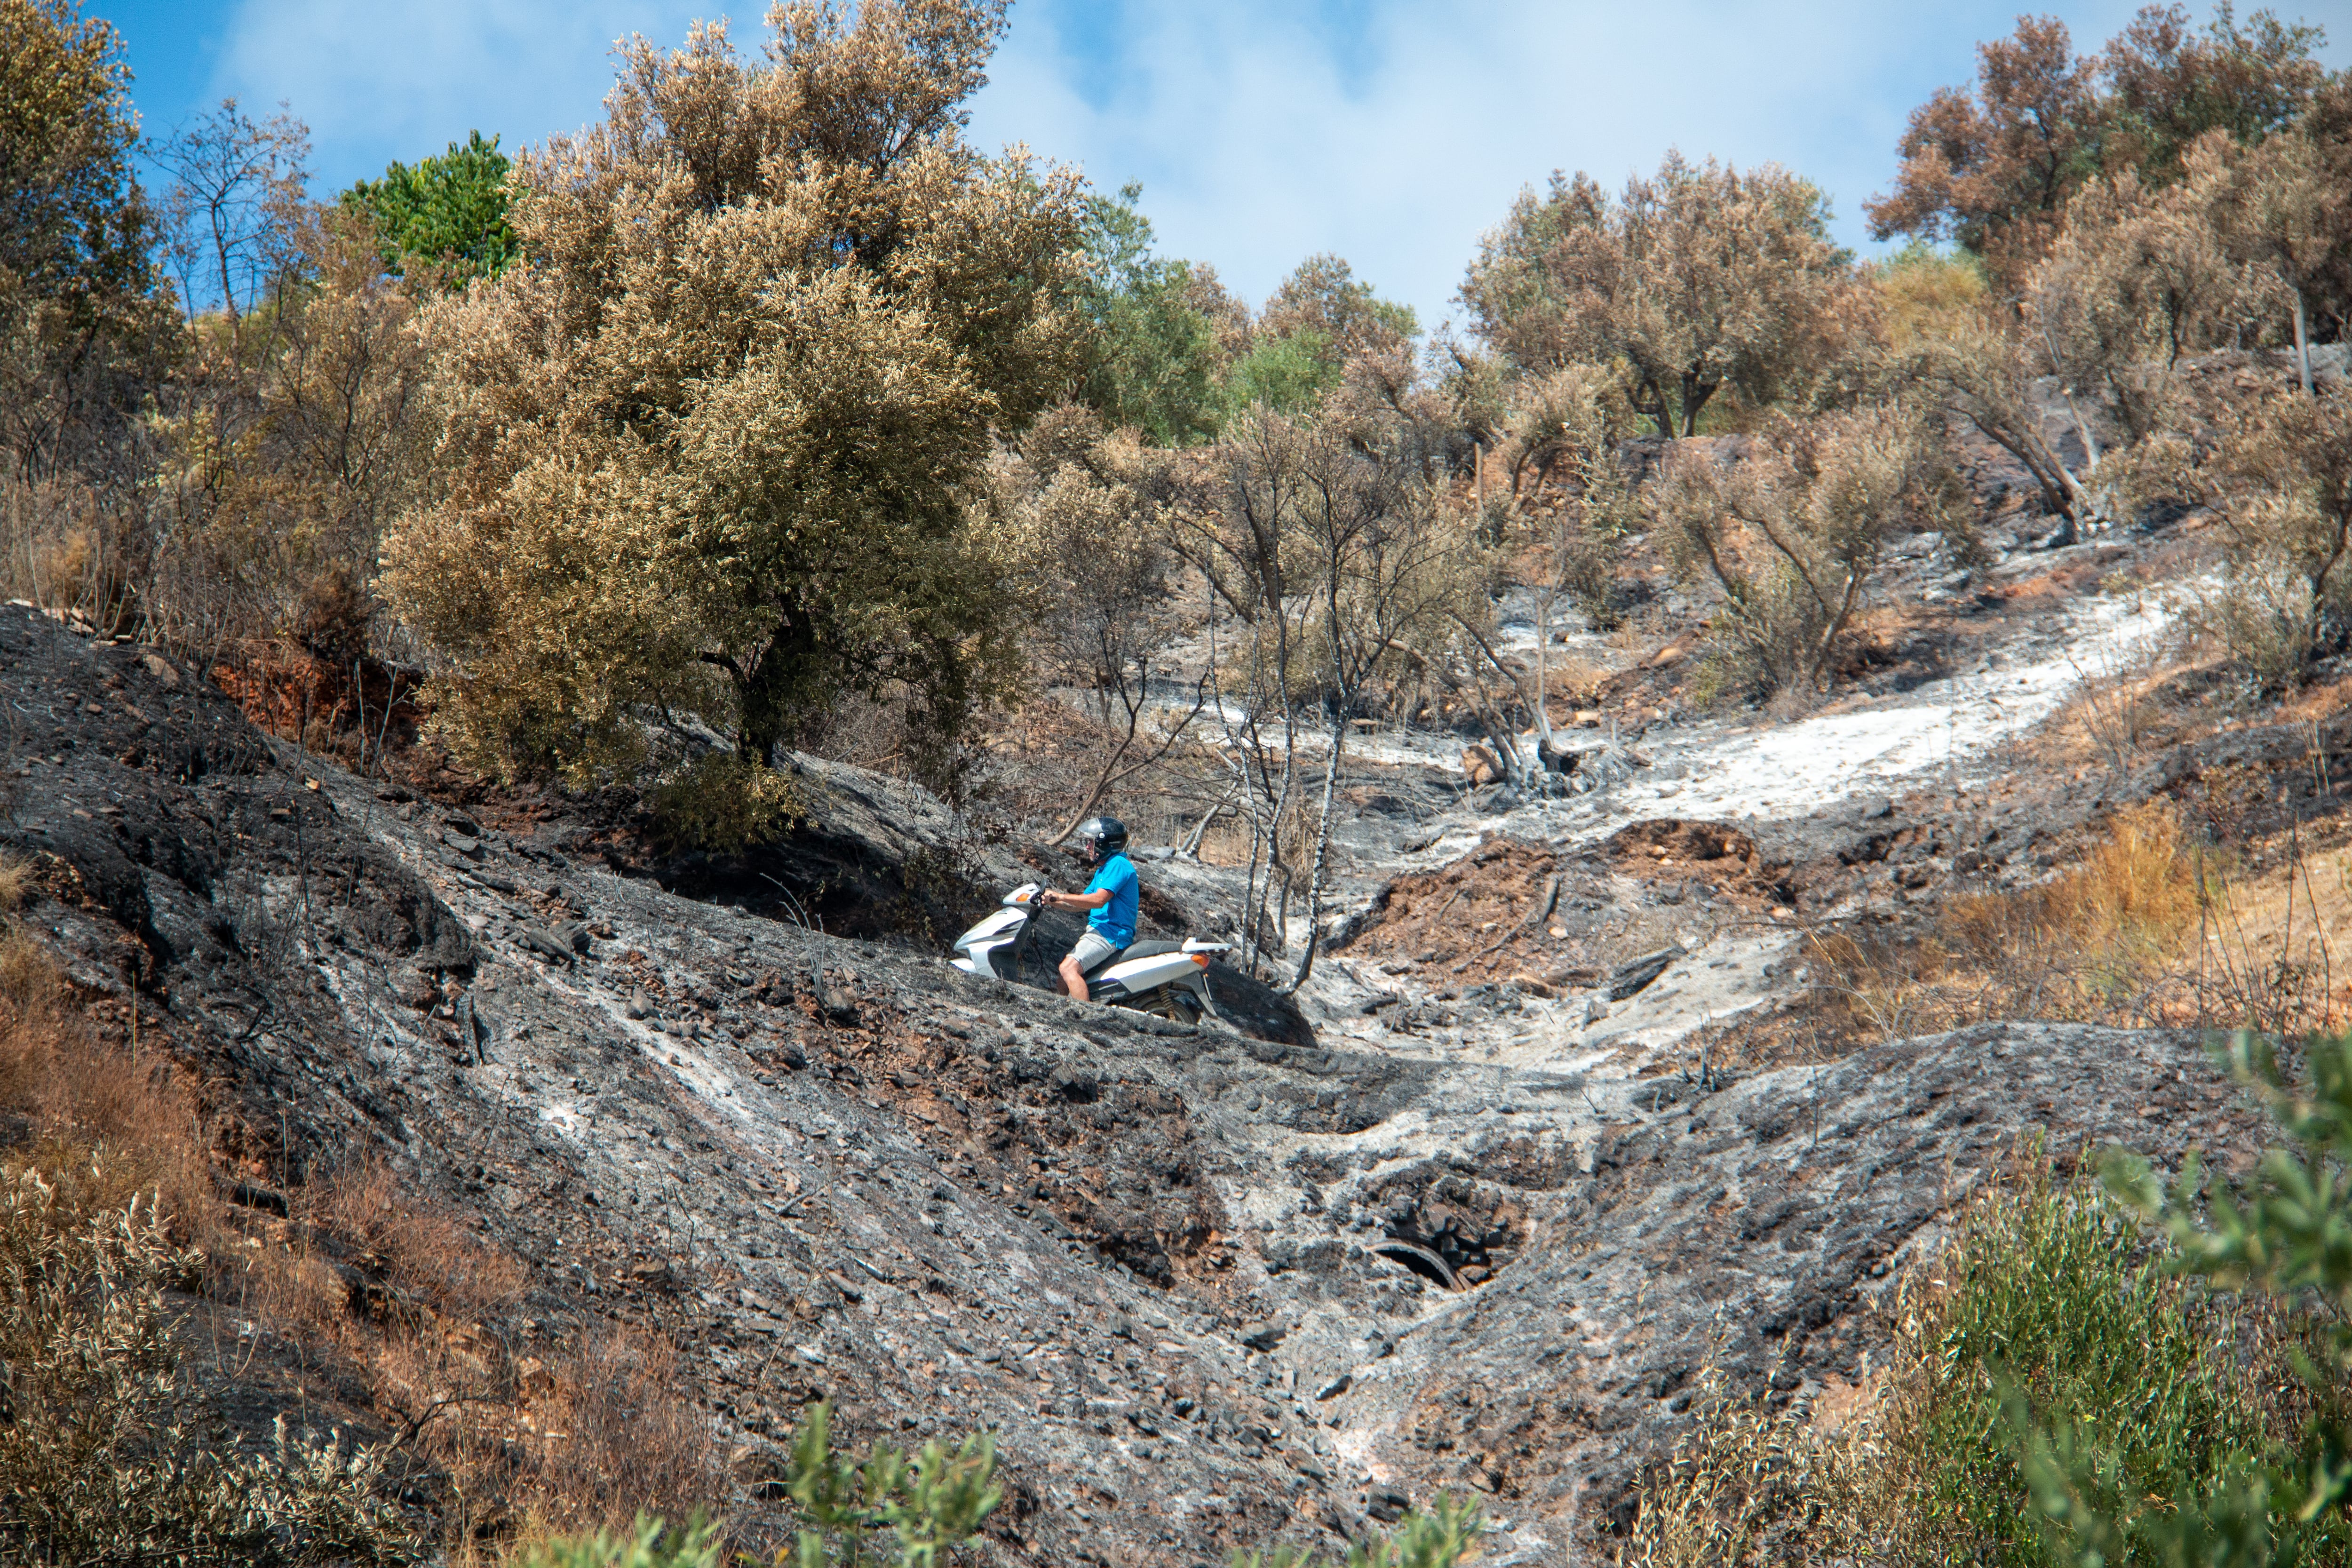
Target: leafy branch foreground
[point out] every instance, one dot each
(2067, 1390)
(919, 1511)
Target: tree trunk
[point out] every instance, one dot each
(1543, 637)
(2083, 428)
(1322, 850)
(2302, 344)
(1655, 408)
(763, 694)
(1696, 394)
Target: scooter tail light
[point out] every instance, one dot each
(1202, 959)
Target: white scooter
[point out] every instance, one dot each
(1168, 979)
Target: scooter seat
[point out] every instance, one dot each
(1132, 950)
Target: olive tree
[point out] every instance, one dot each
(710, 449)
(2281, 208)
(2138, 280)
(2277, 469)
(1984, 371)
(1699, 278)
(1996, 166)
(1793, 532)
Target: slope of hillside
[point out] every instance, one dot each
(1210, 1290)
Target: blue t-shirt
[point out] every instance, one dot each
(1115, 920)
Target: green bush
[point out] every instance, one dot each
(2053, 1302)
(929, 1506)
(2048, 1312)
(918, 1512)
(722, 800)
(1152, 358)
(2285, 1240)
(647, 1545)
(110, 1456)
(448, 212)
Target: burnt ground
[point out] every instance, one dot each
(1210, 1290)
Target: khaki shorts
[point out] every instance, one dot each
(1092, 948)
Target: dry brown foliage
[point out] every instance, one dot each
(1792, 533)
(2150, 927)
(69, 1099)
(576, 1427)
(1924, 297)
(2137, 280)
(579, 1427)
(1698, 279)
(2276, 468)
(1995, 168)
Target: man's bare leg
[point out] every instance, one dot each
(1074, 979)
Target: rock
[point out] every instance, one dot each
(1263, 1336)
(1558, 756)
(253, 1196)
(1480, 766)
(547, 944)
(1635, 975)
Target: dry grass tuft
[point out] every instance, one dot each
(529, 1430)
(614, 1436)
(2151, 929)
(69, 1099)
(16, 882)
(580, 1430)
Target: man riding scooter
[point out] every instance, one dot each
(1112, 896)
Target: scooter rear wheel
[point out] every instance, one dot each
(1175, 1005)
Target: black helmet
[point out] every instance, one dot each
(1107, 834)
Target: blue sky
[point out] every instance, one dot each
(1391, 131)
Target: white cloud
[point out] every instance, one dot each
(377, 79)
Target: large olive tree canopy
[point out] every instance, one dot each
(1701, 278)
(708, 447)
